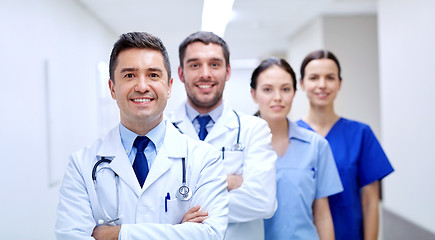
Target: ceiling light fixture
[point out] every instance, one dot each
(215, 15)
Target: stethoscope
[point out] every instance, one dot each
(238, 146)
(183, 193)
(109, 220)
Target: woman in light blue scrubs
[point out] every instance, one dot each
(306, 172)
(360, 159)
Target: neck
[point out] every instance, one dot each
(279, 128)
(202, 109)
(142, 128)
(321, 119)
(280, 135)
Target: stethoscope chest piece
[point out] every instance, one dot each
(184, 193)
(238, 147)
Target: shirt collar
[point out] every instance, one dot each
(156, 135)
(215, 114)
(296, 132)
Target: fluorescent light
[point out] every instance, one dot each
(215, 15)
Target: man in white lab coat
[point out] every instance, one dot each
(244, 140)
(138, 189)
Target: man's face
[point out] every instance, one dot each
(204, 75)
(140, 88)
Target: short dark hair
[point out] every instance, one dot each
(319, 54)
(206, 38)
(140, 40)
(269, 62)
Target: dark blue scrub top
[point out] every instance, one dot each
(360, 161)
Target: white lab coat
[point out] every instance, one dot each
(255, 200)
(143, 209)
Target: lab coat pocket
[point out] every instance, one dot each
(174, 210)
(233, 162)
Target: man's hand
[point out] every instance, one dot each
(195, 215)
(234, 181)
(104, 232)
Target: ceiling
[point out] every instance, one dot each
(259, 28)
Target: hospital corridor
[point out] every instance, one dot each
(57, 98)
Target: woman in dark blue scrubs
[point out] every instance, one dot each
(360, 160)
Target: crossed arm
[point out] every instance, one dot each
(103, 232)
(196, 215)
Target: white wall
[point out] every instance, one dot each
(308, 39)
(407, 50)
(354, 40)
(49, 49)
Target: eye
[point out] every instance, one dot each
(154, 75)
(286, 89)
(129, 75)
(267, 89)
(215, 65)
(194, 65)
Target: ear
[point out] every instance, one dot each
(112, 88)
(254, 95)
(228, 73)
(180, 74)
(170, 87)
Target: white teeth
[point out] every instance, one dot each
(141, 100)
(204, 86)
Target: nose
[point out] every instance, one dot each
(277, 96)
(205, 72)
(322, 83)
(142, 85)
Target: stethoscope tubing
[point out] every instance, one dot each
(94, 179)
(238, 132)
(181, 195)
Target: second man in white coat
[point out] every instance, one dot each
(244, 140)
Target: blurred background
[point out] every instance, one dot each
(54, 100)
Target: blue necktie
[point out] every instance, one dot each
(203, 120)
(140, 164)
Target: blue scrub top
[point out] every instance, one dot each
(306, 172)
(360, 161)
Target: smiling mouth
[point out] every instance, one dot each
(141, 100)
(277, 107)
(205, 85)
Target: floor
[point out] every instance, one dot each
(395, 227)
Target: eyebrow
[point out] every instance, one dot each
(191, 60)
(217, 59)
(151, 69)
(196, 59)
(128, 70)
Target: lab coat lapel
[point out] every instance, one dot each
(226, 122)
(174, 148)
(112, 146)
(180, 119)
